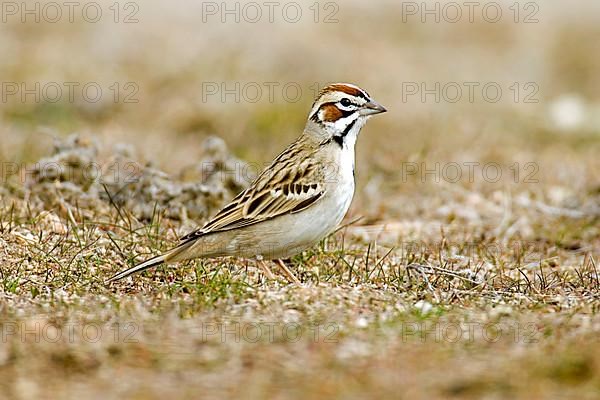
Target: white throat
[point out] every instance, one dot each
(345, 131)
(347, 141)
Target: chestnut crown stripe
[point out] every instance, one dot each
(352, 91)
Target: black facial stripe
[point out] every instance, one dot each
(315, 116)
(349, 127)
(339, 139)
(346, 113)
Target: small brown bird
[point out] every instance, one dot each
(297, 200)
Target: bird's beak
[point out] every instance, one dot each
(372, 108)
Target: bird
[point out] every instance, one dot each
(296, 201)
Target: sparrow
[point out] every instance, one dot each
(299, 199)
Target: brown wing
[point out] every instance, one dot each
(289, 185)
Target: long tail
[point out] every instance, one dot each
(169, 256)
(153, 262)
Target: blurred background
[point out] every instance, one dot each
(512, 83)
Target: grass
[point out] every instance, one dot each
(368, 318)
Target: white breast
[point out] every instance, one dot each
(344, 190)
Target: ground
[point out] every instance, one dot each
(467, 266)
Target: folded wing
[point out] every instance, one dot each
(282, 189)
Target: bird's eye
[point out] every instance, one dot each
(345, 102)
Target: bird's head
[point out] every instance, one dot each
(341, 110)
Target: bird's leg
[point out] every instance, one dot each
(266, 269)
(289, 274)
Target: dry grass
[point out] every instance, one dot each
(434, 288)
